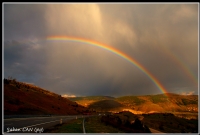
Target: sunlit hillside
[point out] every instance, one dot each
(21, 98)
(161, 102)
(86, 101)
(145, 104)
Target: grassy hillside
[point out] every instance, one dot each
(21, 98)
(161, 103)
(130, 100)
(106, 105)
(86, 101)
(169, 102)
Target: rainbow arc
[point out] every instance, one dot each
(114, 51)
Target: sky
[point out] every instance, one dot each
(162, 38)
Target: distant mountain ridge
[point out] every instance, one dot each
(168, 102)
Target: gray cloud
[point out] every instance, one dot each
(162, 37)
(23, 61)
(23, 21)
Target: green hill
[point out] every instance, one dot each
(106, 105)
(168, 102)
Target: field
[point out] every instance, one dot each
(92, 125)
(73, 126)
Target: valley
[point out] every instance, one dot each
(180, 105)
(167, 113)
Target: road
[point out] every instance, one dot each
(39, 124)
(34, 124)
(155, 131)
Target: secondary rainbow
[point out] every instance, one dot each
(114, 51)
(177, 60)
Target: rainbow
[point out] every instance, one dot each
(114, 51)
(181, 64)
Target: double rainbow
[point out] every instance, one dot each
(181, 64)
(114, 51)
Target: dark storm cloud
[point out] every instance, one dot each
(156, 35)
(23, 21)
(23, 61)
(161, 30)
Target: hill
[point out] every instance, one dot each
(161, 103)
(168, 102)
(86, 101)
(21, 98)
(106, 105)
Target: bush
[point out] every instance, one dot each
(115, 121)
(137, 124)
(6, 81)
(161, 127)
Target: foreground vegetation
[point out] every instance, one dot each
(169, 123)
(92, 125)
(73, 126)
(126, 121)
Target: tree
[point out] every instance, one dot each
(161, 127)
(137, 124)
(146, 129)
(127, 123)
(6, 81)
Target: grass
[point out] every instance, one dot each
(105, 105)
(21, 101)
(158, 98)
(94, 125)
(131, 100)
(187, 101)
(73, 126)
